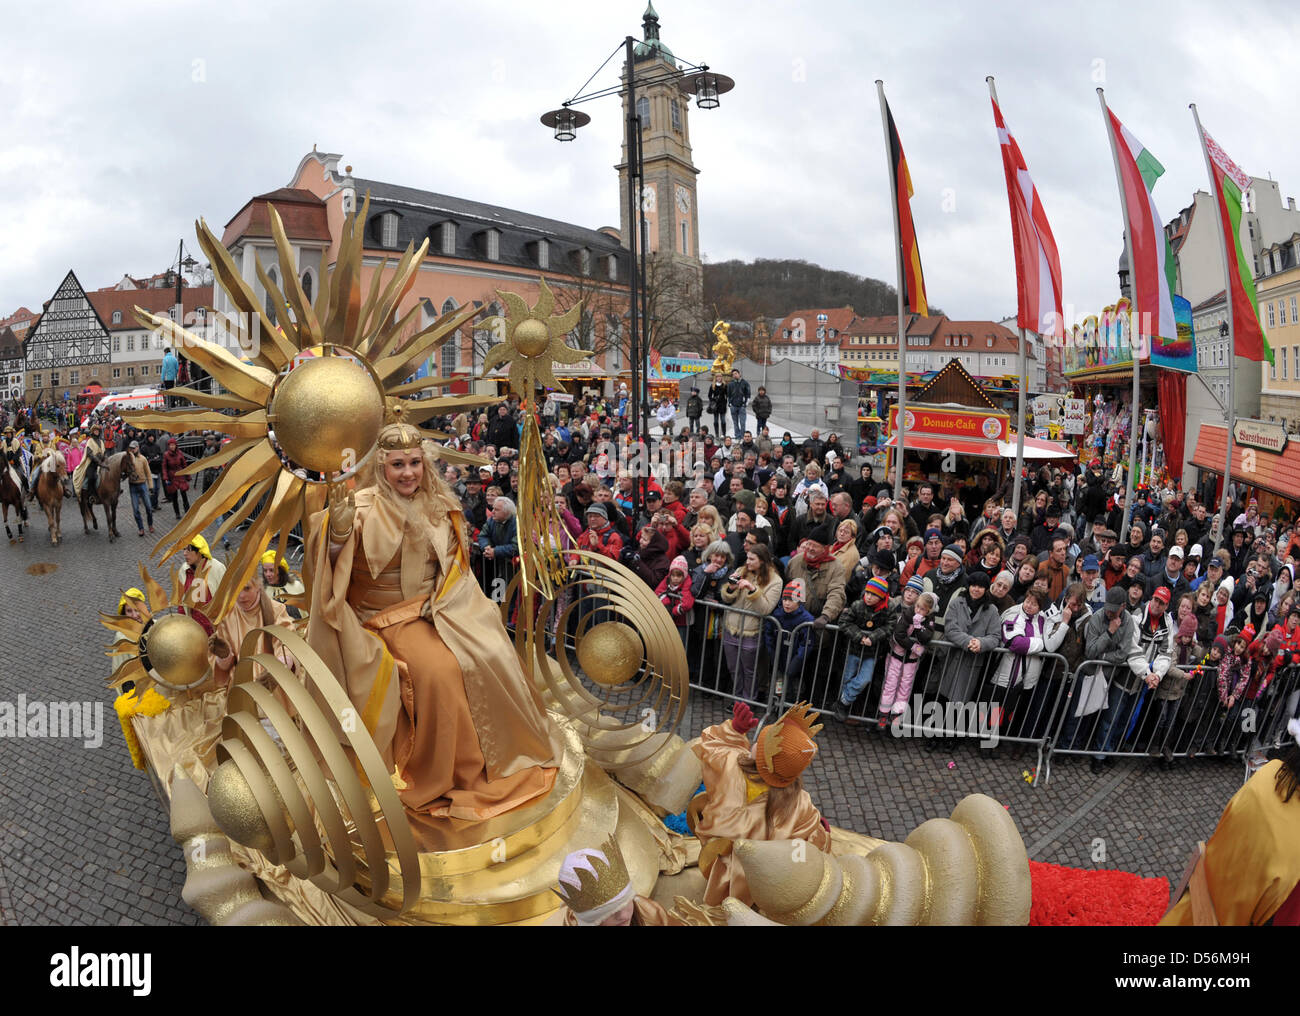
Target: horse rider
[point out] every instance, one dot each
(87, 471)
(13, 457)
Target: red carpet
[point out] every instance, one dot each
(1073, 896)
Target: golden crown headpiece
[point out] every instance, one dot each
(783, 749)
(398, 437)
(594, 884)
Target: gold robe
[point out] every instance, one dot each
(736, 809)
(93, 448)
(1252, 862)
(238, 622)
(427, 661)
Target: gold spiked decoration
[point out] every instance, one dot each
(304, 397)
(168, 648)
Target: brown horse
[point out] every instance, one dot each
(11, 496)
(108, 487)
(49, 492)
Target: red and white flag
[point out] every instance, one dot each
(1038, 266)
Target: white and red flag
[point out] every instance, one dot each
(1038, 266)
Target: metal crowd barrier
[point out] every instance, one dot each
(959, 694)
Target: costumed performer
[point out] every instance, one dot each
(283, 585)
(253, 608)
(428, 663)
(92, 458)
(597, 889)
(200, 575)
(1251, 865)
(754, 794)
(131, 604)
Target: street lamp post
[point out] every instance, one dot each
(691, 79)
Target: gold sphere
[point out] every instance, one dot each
(235, 809)
(177, 647)
(532, 337)
(610, 653)
(325, 408)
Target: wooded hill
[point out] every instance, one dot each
(772, 288)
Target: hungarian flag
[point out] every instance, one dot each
(1152, 271)
(1229, 182)
(1038, 266)
(901, 180)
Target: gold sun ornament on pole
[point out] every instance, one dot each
(303, 399)
(169, 647)
(531, 339)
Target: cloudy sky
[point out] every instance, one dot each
(121, 124)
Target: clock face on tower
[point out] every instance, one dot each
(648, 198)
(683, 200)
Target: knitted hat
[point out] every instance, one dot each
(1222, 643)
(878, 587)
(916, 583)
(596, 508)
(933, 534)
(1116, 599)
(915, 539)
(1007, 577)
(953, 551)
(978, 578)
(679, 564)
(1228, 583)
(795, 589)
(822, 534)
(782, 750)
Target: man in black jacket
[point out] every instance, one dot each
(502, 431)
(737, 399)
(762, 406)
(694, 410)
(718, 407)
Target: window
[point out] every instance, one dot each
(643, 111)
(200, 313)
(117, 373)
(117, 343)
(493, 245)
(1272, 370)
(130, 372)
(1296, 351)
(388, 229)
(1283, 358)
(675, 111)
(117, 317)
(1270, 316)
(612, 266)
(94, 372)
(144, 370)
(1281, 312)
(36, 381)
(1295, 318)
(54, 378)
(74, 377)
(307, 283)
(449, 238)
(686, 243)
(544, 254)
(130, 343)
(449, 357)
(270, 307)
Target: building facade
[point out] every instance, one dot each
(12, 382)
(68, 347)
(1278, 290)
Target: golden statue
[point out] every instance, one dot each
(724, 353)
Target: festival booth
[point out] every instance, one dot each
(1264, 459)
(953, 424)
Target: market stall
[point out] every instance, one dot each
(1264, 460)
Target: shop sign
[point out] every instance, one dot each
(1269, 437)
(1073, 416)
(968, 423)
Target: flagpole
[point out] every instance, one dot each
(898, 258)
(1133, 344)
(1232, 335)
(1024, 382)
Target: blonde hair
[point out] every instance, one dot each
(709, 515)
(928, 601)
(812, 471)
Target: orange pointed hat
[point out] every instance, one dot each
(783, 749)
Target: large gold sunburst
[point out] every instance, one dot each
(169, 647)
(298, 424)
(531, 340)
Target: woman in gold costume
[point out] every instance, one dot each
(427, 662)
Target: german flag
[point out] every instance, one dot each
(913, 281)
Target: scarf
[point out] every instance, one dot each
(813, 563)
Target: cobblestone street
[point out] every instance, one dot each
(83, 839)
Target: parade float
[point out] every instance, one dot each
(286, 785)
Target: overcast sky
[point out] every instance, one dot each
(120, 124)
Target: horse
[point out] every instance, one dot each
(11, 496)
(49, 492)
(107, 490)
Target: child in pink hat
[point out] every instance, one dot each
(674, 592)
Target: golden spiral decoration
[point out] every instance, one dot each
(630, 692)
(305, 801)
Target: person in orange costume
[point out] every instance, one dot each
(754, 794)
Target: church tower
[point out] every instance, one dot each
(668, 197)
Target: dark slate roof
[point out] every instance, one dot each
(10, 347)
(420, 211)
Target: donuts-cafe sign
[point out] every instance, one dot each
(971, 423)
(1269, 437)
